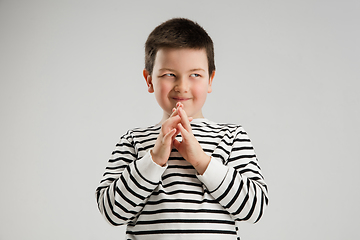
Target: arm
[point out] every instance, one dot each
(128, 181)
(126, 184)
(232, 177)
(238, 184)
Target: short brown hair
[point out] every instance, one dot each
(178, 33)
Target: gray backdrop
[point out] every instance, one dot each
(71, 85)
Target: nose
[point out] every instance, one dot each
(182, 85)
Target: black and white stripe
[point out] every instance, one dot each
(157, 202)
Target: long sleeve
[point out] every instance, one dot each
(163, 202)
(127, 183)
(234, 178)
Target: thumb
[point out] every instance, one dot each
(168, 137)
(176, 144)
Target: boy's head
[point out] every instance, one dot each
(179, 66)
(178, 33)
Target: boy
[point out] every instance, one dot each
(186, 177)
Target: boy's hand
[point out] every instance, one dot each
(164, 143)
(189, 147)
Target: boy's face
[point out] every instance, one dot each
(180, 75)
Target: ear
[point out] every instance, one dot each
(148, 80)
(210, 81)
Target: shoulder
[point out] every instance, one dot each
(141, 132)
(207, 125)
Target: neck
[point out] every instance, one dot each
(166, 116)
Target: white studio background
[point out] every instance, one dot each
(71, 84)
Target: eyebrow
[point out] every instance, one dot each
(191, 70)
(197, 69)
(167, 69)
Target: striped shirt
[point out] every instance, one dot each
(174, 202)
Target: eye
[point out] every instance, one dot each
(168, 75)
(195, 75)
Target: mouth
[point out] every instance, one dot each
(181, 99)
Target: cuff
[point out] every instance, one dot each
(149, 169)
(214, 174)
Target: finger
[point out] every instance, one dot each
(176, 133)
(171, 122)
(176, 144)
(184, 119)
(174, 119)
(168, 137)
(183, 131)
(174, 112)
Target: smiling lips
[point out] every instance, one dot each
(181, 99)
